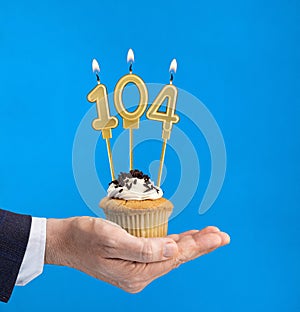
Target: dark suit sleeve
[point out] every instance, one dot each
(14, 235)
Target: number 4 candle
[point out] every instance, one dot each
(168, 117)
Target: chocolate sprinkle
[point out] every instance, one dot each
(124, 177)
(116, 182)
(123, 181)
(148, 188)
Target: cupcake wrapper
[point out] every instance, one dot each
(147, 224)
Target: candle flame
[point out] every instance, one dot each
(95, 66)
(173, 66)
(130, 56)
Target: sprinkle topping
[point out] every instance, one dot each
(124, 179)
(133, 185)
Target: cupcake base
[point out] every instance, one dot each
(141, 218)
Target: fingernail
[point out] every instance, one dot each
(226, 238)
(213, 228)
(170, 250)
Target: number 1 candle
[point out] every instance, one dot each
(131, 119)
(104, 122)
(168, 117)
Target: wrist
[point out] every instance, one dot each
(56, 241)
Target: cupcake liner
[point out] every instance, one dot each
(152, 223)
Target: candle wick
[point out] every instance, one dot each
(98, 78)
(130, 68)
(171, 78)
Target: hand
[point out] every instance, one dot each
(104, 250)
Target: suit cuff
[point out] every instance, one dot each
(33, 261)
(14, 234)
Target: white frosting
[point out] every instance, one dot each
(135, 189)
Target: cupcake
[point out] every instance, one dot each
(137, 205)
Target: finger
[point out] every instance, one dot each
(208, 229)
(190, 247)
(176, 237)
(143, 249)
(198, 244)
(117, 243)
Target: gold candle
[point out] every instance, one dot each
(168, 118)
(131, 119)
(105, 122)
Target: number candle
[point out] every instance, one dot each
(105, 122)
(131, 119)
(168, 117)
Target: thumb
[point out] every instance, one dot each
(145, 249)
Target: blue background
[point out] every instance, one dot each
(241, 58)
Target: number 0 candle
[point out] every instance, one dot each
(131, 119)
(104, 122)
